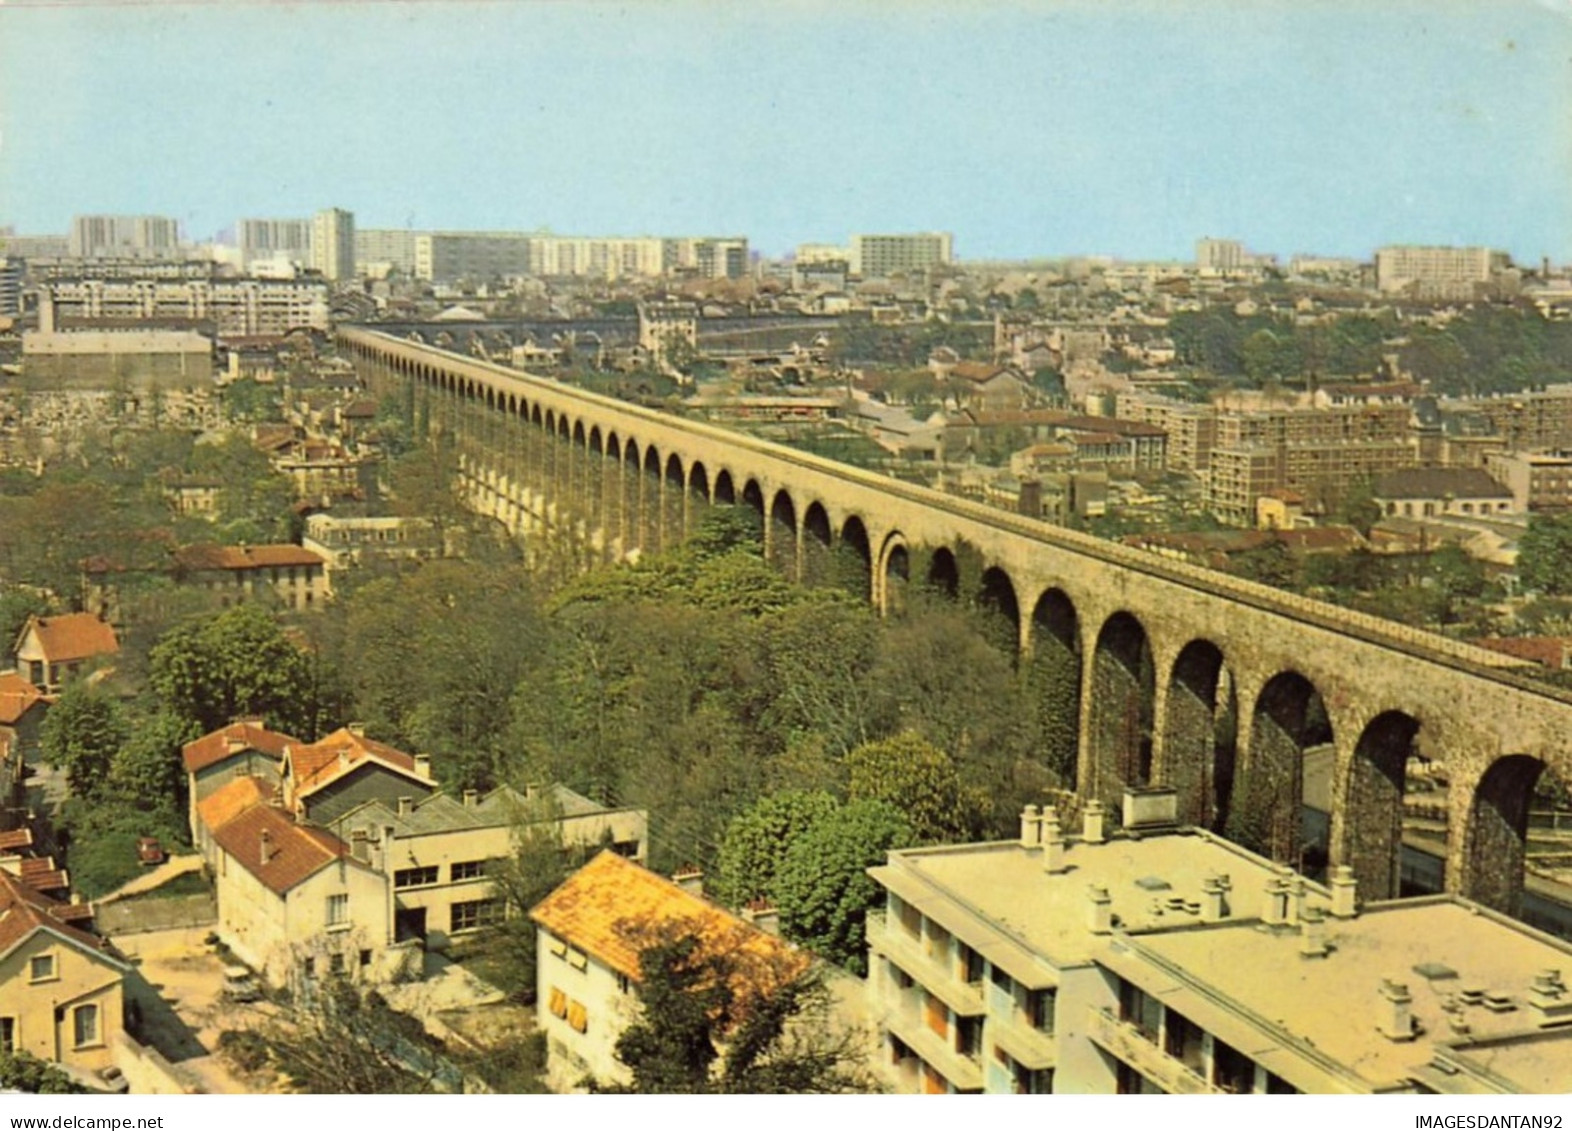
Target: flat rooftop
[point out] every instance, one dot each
(1153, 881)
(1445, 950)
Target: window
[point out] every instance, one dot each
(335, 964)
(1039, 1010)
(969, 965)
(1232, 1071)
(578, 1019)
(474, 914)
(365, 958)
(968, 1037)
(624, 984)
(41, 968)
(557, 1003)
(415, 877)
(1136, 1008)
(7, 1034)
(84, 1021)
(338, 910)
(467, 870)
(1182, 1041)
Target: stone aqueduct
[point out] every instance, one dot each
(1160, 650)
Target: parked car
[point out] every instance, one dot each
(240, 986)
(149, 851)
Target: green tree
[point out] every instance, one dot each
(1544, 553)
(920, 781)
(146, 772)
(757, 839)
(82, 734)
(238, 663)
(26, 1073)
(16, 605)
(719, 1016)
(822, 888)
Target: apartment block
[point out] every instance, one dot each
(879, 256)
(124, 237)
(380, 250)
(333, 244)
(1219, 255)
(1435, 272)
(1538, 481)
(1171, 961)
(273, 239)
(229, 307)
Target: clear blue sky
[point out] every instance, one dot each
(1123, 127)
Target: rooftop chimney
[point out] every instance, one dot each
(689, 879)
(360, 845)
(1397, 1016)
(1092, 822)
(356, 729)
(1053, 843)
(1214, 907)
(1294, 885)
(1344, 893)
(1151, 807)
(1312, 934)
(266, 852)
(1029, 826)
(406, 805)
(1101, 921)
(423, 766)
(471, 798)
(1548, 997)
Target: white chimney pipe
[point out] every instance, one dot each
(1274, 906)
(1312, 941)
(1397, 1015)
(1029, 826)
(266, 852)
(1053, 844)
(1213, 908)
(1092, 823)
(1345, 903)
(1101, 921)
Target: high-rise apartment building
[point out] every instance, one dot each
(10, 287)
(1219, 255)
(380, 250)
(124, 237)
(333, 244)
(1435, 272)
(1172, 961)
(273, 239)
(878, 257)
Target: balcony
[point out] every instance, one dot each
(1126, 1042)
(1030, 1047)
(964, 1074)
(937, 977)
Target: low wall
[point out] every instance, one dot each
(150, 913)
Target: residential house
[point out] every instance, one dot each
(22, 709)
(1174, 961)
(590, 933)
(324, 780)
(1434, 491)
(60, 986)
(50, 650)
(245, 750)
(295, 577)
(442, 852)
(293, 903)
(986, 388)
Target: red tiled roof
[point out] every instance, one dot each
(24, 910)
(72, 636)
(293, 852)
(16, 838)
(207, 556)
(977, 372)
(213, 748)
(226, 803)
(17, 697)
(313, 765)
(613, 908)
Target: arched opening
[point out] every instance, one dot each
(944, 575)
(854, 559)
(1290, 740)
(1200, 732)
(674, 503)
(782, 540)
(1120, 727)
(1373, 807)
(1498, 832)
(698, 484)
(1053, 679)
(817, 546)
(1000, 610)
(897, 575)
(753, 497)
(596, 444)
(650, 506)
(725, 490)
(633, 499)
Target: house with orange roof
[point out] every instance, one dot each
(293, 903)
(325, 779)
(591, 931)
(50, 650)
(61, 987)
(22, 709)
(245, 749)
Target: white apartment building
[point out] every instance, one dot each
(273, 240)
(379, 251)
(124, 237)
(879, 256)
(1162, 959)
(1219, 255)
(234, 307)
(1435, 272)
(333, 244)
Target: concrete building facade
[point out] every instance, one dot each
(333, 244)
(124, 237)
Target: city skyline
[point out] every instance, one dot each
(1028, 130)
